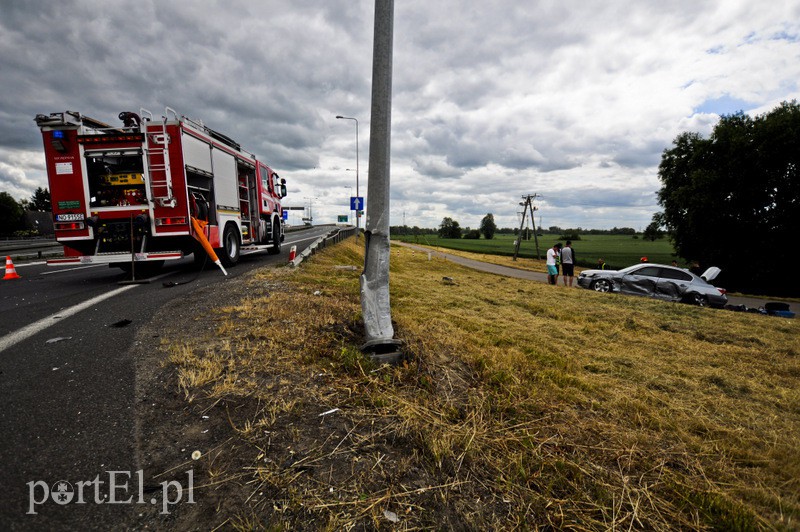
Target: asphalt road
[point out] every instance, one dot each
(68, 380)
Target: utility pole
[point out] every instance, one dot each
(527, 207)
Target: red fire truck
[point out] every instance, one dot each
(129, 193)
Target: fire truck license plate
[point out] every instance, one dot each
(69, 217)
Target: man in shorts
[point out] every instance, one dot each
(568, 263)
(552, 270)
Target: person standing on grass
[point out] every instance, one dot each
(558, 261)
(552, 270)
(601, 264)
(568, 263)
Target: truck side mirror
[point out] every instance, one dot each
(283, 191)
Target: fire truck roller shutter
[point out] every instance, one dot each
(196, 154)
(226, 181)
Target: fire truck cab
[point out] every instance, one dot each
(129, 193)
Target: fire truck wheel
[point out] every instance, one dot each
(276, 239)
(229, 254)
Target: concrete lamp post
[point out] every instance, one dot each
(380, 341)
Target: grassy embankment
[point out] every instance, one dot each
(523, 405)
(617, 250)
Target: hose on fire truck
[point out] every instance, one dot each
(200, 235)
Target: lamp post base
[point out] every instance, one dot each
(384, 351)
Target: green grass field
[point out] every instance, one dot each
(617, 250)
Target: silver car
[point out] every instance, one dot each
(660, 281)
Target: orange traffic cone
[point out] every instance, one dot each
(11, 272)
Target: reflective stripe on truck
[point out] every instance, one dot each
(111, 258)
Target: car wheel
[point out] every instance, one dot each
(602, 285)
(698, 299)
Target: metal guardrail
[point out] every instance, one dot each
(333, 237)
(5, 239)
(30, 249)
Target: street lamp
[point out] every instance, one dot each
(349, 195)
(340, 117)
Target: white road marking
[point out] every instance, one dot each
(26, 332)
(73, 269)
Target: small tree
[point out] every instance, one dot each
(488, 227)
(653, 231)
(449, 228)
(40, 201)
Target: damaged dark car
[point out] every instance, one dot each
(659, 281)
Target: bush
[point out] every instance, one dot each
(449, 228)
(473, 234)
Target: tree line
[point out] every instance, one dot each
(450, 228)
(15, 216)
(732, 200)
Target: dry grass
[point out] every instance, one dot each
(523, 405)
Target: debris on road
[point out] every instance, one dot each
(781, 310)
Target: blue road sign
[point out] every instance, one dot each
(357, 203)
(285, 215)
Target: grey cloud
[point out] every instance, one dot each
(596, 197)
(435, 168)
(500, 94)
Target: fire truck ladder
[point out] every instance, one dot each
(157, 161)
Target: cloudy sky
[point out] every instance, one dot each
(572, 100)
